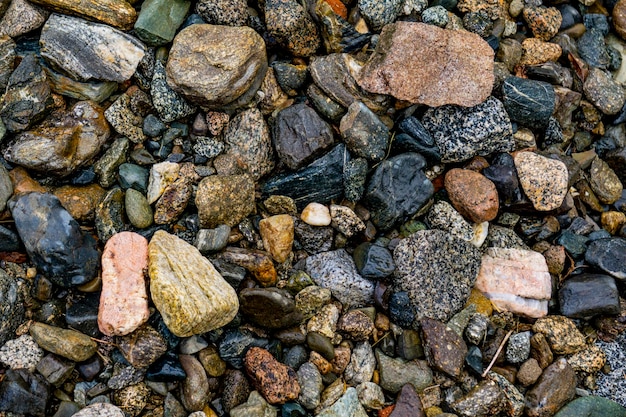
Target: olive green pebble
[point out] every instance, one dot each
(138, 210)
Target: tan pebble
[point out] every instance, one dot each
(316, 214)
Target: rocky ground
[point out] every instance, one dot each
(340, 208)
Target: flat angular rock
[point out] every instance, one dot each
(444, 349)
(22, 17)
(408, 403)
(516, 280)
(199, 69)
(609, 255)
(277, 382)
(555, 388)
(587, 295)
(123, 301)
(365, 135)
(159, 20)
(544, 180)
(407, 53)
(464, 132)
(117, 13)
(190, 294)
(224, 199)
(53, 239)
(22, 392)
(347, 405)
(277, 233)
(528, 102)
(63, 142)
(104, 54)
(485, 399)
(396, 373)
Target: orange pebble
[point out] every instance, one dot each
(338, 7)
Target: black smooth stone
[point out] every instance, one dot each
(321, 344)
(166, 369)
(414, 128)
(153, 126)
(9, 240)
(507, 183)
(319, 182)
(592, 49)
(83, 176)
(24, 393)
(273, 308)
(133, 176)
(373, 261)
(82, 315)
(289, 76)
(550, 72)
(54, 240)
(236, 343)
(400, 310)
(296, 356)
(397, 189)
(570, 15)
(403, 142)
(528, 102)
(474, 359)
(587, 295)
(608, 255)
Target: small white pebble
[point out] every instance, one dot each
(316, 214)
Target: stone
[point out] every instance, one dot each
(22, 392)
(173, 201)
(437, 16)
(379, 14)
(22, 352)
(356, 325)
(445, 350)
(437, 271)
(273, 308)
(259, 263)
(63, 142)
(311, 385)
(373, 261)
(223, 12)
(396, 373)
(115, 13)
(589, 360)
(609, 256)
(224, 199)
(536, 52)
(168, 103)
(408, 403)
(28, 98)
(387, 194)
(162, 175)
(53, 240)
(484, 399)
(124, 120)
(406, 76)
(109, 212)
(22, 17)
(255, 406)
(276, 382)
(561, 333)
(347, 405)
(11, 306)
(555, 388)
(158, 21)
(544, 180)
(587, 295)
(138, 210)
(204, 300)
(361, 366)
(443, 216)
(248, 139)
(69, 344)
(97, 91)
(82, 315)
(105, 54)
(529, 372)
(106, 167)
(592, 49)
(132, 399)
(300, 135)
(605, 184)
(516, 280)
(195, 388)
(212, 240)
(364, 134)
(591, 406)
(544, 22)
(345, 220)
(316, 214)
(142, 347)
(337, 272)
(310, 299)
(277, 233)
(606, 94)
(7, 60)
(473, 195)
(619, 17)
(324, 321)
(100, 410)
(123, 301)
(80, 201)
(518, 348)
(464, 132)
(528, 102)
(198, 70)
(291, 25)
(54, 369)
(371, 396)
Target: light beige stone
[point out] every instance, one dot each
(124, 300)
(277, 233)
(316, 214)
(161, 176)
(544, 180)
(190, 294)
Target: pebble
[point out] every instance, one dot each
(443, 216)
(529, 372)
(561, 333)
(21, 17)
(24, 393)
(173, 201)
(528, 102)
(544, 180)
(345, 220)
(555, 388)
(516, 280)
(124, 120)
(278, 234)
(169, 104)
(396, 373)
(379, 14)
(100, 410)
(276, 382)
(69, 258)
(316, 214)
(224, 199)
(589, 360)
(311, 385)
(354, 178)
(373, 261)
(80, 201)
(291, 25)
(587, 295)
(109, 214)
(484, 399)
(604, 182)
(212, 240)
(197, 70)
(106, 167)
(347, 405)
(544, 22)
(361, 366)
(606, 94)
(137, 208)
(444, 265)
(370, 396)
(592, 48)
(364, 134)
(142, 347)
(69, 344)
(22, 352)
(223, 12)
(311, 299)
(356, 325)
(11, 306)
(112, 12)
(203, 301)
(518, 347)
(445, 350)
(536, 51)
(436, 15)
(195, 388)
(259, 263)
(150, 25)
(54, 369)
(609, 256)
(473, 195)
(464, 132)
(273, 308)
(255, 406)
(591, 406)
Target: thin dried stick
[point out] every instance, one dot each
(497, 353)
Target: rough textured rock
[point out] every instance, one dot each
(544, 180)
(395, 373)
(11, 306)
(609, 255)
(587, 295)
(22, 17)
(200, 70)
(105, 53)
(555, 388)
(187, 290)
(116, 13)
(54, 240)
(277, 233)
(406, 55)
(464, 132)
(347, 405)
(63, 142)
(159, 20)
(473, 195)
(123, 301)
(444, 349)
(80, 201)
(142, 347)
(278, 383)
(485, 399)
(224, 199)
(292, 26)
(437, 271)
(101, 410)
(561, 333)
(516, 280)
(69, 344)
(223, 12)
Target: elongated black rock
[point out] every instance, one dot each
(587, 295)
(398, 188)
(415, 138)
(319, 182)
(53, 239)
(528, 102)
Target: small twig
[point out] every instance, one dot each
(103, 341)
(382, 337)
(495, 357)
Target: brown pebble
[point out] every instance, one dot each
(277, 382)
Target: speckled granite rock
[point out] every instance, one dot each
(544, 180)
(392, 69)
(22, 17)
(177, 268)
(223, 12)
(224, 199)
(170, 105)
(105, 53)
(11, 306)
(292, 26)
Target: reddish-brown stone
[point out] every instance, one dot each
(277, 383)
(472, 194)
(408, 403)
(425, 64)
(445, 350)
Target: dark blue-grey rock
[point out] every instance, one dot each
(23, 393)
(11, 306)
(319, 182)
(415, 138)
(437, 270)
(400, 309)
(300, 135)
(290, 77)
(82, 315)
(373, 261)
(166, 369)
(464, 132)
(528, 102)
(9, 240)
(592, 48)
(397, 189)
(575, 244)
(354, 177)
(54, 240)
(235, 344)
(364, 134)
(604, 92)
(609, 255)
(133, 176)
(587, 295)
